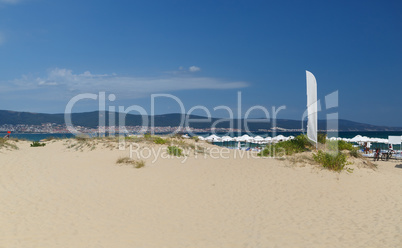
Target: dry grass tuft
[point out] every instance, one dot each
(87, 143)
(363, 162)
(185, 144)
(129, 161)
(8, 144)
(301, 159)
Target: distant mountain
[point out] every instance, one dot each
(91, 120)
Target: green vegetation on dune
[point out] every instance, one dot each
(333, 145)
(175, 151)
(289, 147)
(331, 160)
(147, 138)
(159, 141)
(322, 138)
(37, 144)
(341, 145)
(329, 155)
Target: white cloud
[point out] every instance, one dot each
(123, 86)
(194, 68)
(47, 83)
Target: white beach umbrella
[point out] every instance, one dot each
(268, 139)
(363, 139)
(374, 140)
(357, 138)
(226, 138)
(386, 141)
(244, 138)
(213, 137)
(279, 138)
(258, 139)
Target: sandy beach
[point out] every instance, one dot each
(58, 196)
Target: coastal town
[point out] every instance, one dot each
(57, 128)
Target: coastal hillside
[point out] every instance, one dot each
(91, 120)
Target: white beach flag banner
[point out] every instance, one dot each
(395, 140)
(311, 107)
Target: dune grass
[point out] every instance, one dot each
(333, 145)
(37, 144)
(332, 155)
(159, 141)
(147, 138)
(174, 141)
(8, 144)
(182, 143)
(175, 151)
(335, 161)
(340, 145)
(297, 145)
(129, 161)
(81, 143)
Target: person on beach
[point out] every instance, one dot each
(366, 147)
(7, 135)
(377, 154)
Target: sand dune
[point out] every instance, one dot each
(55, 196)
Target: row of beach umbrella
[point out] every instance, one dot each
(246, 138)
(362, 139)
(261, 140)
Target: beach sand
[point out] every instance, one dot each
(55, 196)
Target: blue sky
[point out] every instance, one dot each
(203, 52)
